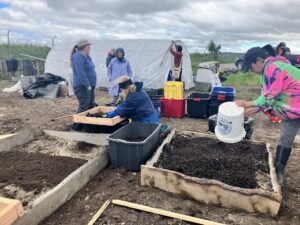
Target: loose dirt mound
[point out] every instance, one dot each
(243, 164)
(60, 147)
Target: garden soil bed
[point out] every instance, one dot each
(24, 176)
(244, 164)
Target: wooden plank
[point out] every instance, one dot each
(164, 213)
(49, 202)
(98, 109)
(10, 211)
(275, 184)
(10, 142)
(157, 153)
(211, 191)
(81, 117)
(99, 212)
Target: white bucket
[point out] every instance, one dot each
(230, 123)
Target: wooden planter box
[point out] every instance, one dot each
(48, 202)
(82, 118)
(212, 191)
(10, 211)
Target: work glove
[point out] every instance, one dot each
(89, 88)
(111, 114)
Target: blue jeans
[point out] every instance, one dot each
(86, 101)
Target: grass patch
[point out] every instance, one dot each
(34, 50)
(197, 58)
(242, 79)
(246, 84)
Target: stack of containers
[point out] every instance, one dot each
(173, 103)
(218, 96)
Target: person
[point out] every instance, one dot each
(177, 67)
(280, 99)
(270, 51)
(280, 48)
(137, 104)
(84, 77)
(118, 67)
(110, 55)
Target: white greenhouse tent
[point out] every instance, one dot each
(150, 61)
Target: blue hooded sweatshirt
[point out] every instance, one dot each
(84, 73)
(138, 106)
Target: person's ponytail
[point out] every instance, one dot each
(74, 49)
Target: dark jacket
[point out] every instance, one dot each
(138, 106)
(84, 73)
(109, 58)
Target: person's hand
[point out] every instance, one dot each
(240, 103)
(111, 114)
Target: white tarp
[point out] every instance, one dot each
(150, 61)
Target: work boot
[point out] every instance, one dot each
(278, 152)
(281, 162)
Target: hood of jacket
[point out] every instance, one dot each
(120, 50)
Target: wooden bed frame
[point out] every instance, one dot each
(212, 191)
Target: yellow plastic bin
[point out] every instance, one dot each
(173, 90)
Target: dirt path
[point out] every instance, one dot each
(18, 113)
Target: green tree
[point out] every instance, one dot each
(214, 49)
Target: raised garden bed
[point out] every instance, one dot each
(88, 118)
(196, 165)
(24, 176)
(44, 172)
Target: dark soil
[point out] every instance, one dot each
(136, 139)
(96, 115)
(234, 164)
(84, 147)
(35, 171)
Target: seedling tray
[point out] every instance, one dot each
(83, 118)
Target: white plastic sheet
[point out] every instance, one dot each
(150, 61)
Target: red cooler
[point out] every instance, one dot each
(173, 107)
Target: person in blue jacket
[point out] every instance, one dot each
(137, 104)
(84, 77)
(119, 66)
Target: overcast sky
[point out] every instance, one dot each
(235, 24)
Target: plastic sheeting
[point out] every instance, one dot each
(150, 61)
(15, 88)
(45, 86)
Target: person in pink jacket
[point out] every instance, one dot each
(280, 99)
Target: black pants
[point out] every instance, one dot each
(86, 101)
